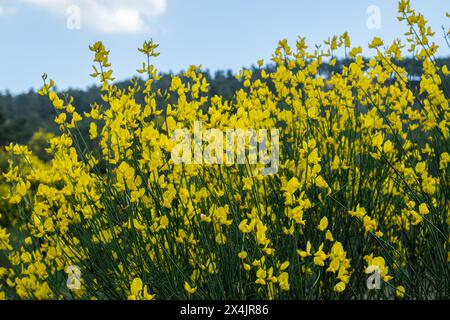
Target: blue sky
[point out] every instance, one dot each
(227, 34)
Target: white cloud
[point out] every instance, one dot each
(109, 16)
(4, 11)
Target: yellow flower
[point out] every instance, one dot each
(305, 253)
(284, 265)
(261, 274)
(369, 224)
(163, 222)
(321, 183)
(92, 130)
(377, 140)
(339, 287)
(136, 288)
(323, 224)
(377, 264)
(423, 209)
(320, 257)
(242, 255)
(388, 147)
(245, 227)
(283, 280)
(139, 291)
(376, 42)
(292, 185)
(221, 239)
(4, 240)
(189, 289)
(297, 215)
(360, 212)
(334, 265)
(420, 167)
(400, 292)
(329, 236)
(248, 183)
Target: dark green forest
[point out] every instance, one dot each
(24, 114)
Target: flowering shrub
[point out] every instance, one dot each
(362, 187)
(25, 165)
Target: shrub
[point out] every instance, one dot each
(362, 187)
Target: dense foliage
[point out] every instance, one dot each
(22, 115)
(362, 187)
